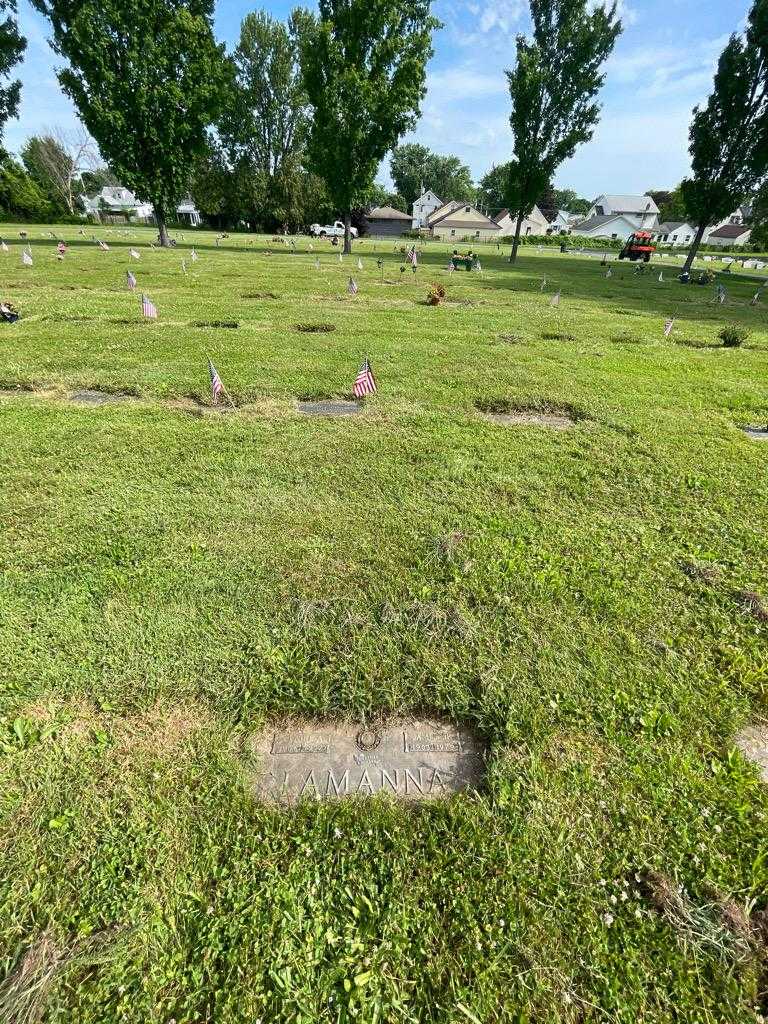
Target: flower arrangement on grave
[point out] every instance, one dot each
(435, 295)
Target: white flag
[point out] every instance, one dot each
(193, 255)
(555, 300)
(359, 263)
(26, 258)
(609, 272)
(3, 246)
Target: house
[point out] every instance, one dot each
(534, 224)
(739, 216)
(563, 221)
(387, 221)
(115, 203)
(606, 226)
(425, 205)
(641, 211)
(463, 222)
(729, 234)
(674, 232)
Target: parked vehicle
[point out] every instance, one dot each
(638, 247)
(335, 230)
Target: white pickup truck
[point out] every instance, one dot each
(329, 230)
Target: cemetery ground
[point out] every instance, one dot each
(592, 600)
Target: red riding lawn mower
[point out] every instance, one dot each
(638, 247)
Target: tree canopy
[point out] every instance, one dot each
(147, 79)
(12, 47)
(363, 63)
(414, 168)
(729, 136)
(553, 88)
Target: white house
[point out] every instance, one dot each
(674, 232)
(641, 211)
(116, 201)
(462, 222)
(423, 207)
(739, 216)
(606, 226)
(729, 234)
(534, 224)
(563, 222)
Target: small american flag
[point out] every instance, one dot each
(476, 265)
(555, 300)
(130, 280)
(26, 258)
(365, 382)
(135, 253)
(661, 277)
(668, 325)
(183, 266)
(193, 255)
(148, 308)
(104, 246)
(450, 268)
(755, 299)
(412, 257)
(721, 294)
(352, 286)
(3, 246)
(216, 386)
(609, 272)
(359, 263)
(543, 285)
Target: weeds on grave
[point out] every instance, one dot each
(732, 336)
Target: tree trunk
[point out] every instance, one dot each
(162, 227)
(347, 233)
(694, 249)
(516, 243)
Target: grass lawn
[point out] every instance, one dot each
(172, 577)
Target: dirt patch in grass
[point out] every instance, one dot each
(752, 741)
(512, 339)
(555, 336)
(314, 328)
(555, 415)
(753, 604)
(258, 295)
(703, 572)
(196, 407)
(219, 325)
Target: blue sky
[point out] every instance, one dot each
(662, 66)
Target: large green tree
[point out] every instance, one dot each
(363, 63)
(553, 88)
(759, 217)
(729, 136)
(147, 78)
(414, 168)
(569, 199)
(12, 47)
(264, 126)
(56, 162)
(19, 195)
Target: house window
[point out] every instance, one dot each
(674, 238)
(477, 234)
(453, 232)
(664, 239)
(614, 235)
(467, 209)
(687, 238)
(528, 231)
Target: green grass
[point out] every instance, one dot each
(171, 580)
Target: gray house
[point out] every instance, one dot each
(384, 220)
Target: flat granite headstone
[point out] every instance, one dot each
(411, 759)
(757, 433)
(752, 741)
(330, 408)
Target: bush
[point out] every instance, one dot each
(435, 295)
(732, 336)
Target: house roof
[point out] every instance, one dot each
(426, 195)
(671, 225)
(535, 212)
(387, 213)
(596, 222)
(443, 211)
(629, 204)
(501, 215)
(730, 231)
(448, 219)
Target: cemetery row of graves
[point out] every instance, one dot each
(546, 525)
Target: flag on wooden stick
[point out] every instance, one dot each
(609, 272)
(216, 385)
(543, 285)
(365, 382)
(135, 253)
(555, 300)
(193, 255)
(103, 246)
(412, 256)
(183, 266)
(661, 277)
(755, 299)
(352, 286)
(3, 246)
(148, 308)
(26, 258)
(130, 280)
(668, 325)
(359, 263)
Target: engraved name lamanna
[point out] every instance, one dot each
(431, 744)
(327, 782)
(300, 744)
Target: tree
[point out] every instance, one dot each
(414, 168)
(671, 205)
(94, 179)
(147, 79)
(12, 47)
(553, 87)
(264, 126)
(759, 217)
(729, 137)
(19, 195)
(492, 189)
(56, 162)
(363, 63)
(567, 199)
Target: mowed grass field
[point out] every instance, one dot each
(174, 577)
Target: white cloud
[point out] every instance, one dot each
(465, 83)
